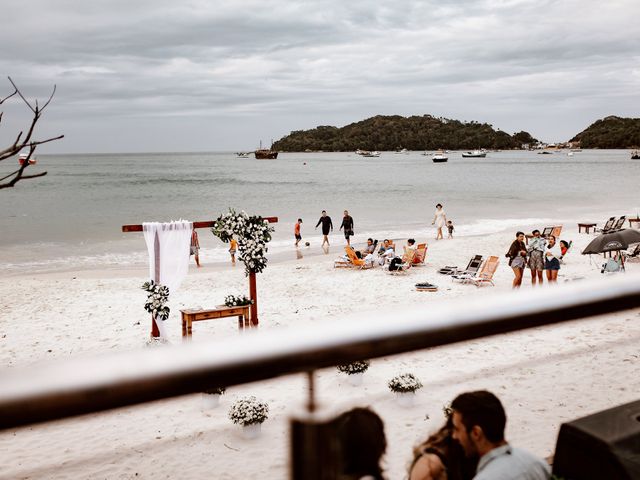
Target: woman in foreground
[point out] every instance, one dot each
(440, 457)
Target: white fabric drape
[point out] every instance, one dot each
(174, 239)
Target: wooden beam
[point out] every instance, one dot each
(206, 224)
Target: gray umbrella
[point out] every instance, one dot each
(611, 242)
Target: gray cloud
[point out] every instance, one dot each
(200, 75)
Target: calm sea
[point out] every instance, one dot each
(72, 218)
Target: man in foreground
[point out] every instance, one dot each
(478, 425)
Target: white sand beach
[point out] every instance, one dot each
(544, 376)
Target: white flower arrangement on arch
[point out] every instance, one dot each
(252, 234)
(405, 383)
(157, 299)
(248, 411)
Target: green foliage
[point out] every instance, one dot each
(611, 132)
(393, 132)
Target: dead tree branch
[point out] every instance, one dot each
(21, 142)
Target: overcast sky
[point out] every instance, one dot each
(155, 75)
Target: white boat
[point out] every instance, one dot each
(439, 157)
(474, 154)
(367, 153)
(242, 154)
(404, 151)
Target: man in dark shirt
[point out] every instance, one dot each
(347, 224)
(327, 226)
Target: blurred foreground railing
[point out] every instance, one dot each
(60, 389)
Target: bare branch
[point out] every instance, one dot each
(50, 98)
(2, 100)
(22, 177)
(22, 96)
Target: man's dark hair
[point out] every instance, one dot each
(324, 211)
(299, 219)
(535, 231)
(411, 241)
(370, 240)
(519, 233)
(482, 408)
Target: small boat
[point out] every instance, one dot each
(439, 157)
(367, 153)
(404, 151)
(474, 154)
(265, 153)
(569, 154)
(544, 153)
(242, 154)
(635, 155)
(23, 158)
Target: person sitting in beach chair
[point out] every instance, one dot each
(386, 252)
(411, 245)
(370, 248)
(352, 260)
(564, 248)
(399, 265)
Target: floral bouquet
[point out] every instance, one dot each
(405, 383)
(252, 232)
(237, 301)
(248, 411)
(352, 368)
(156, 300)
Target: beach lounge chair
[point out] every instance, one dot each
(620, 223)
(607, 226)
(352, 260)
(485, 275)
(471, 270)
(406, 264)
(547, 231)
(557, 230)
(420, 255)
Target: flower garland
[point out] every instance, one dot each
(156, 300)
(354, 367)
(252, 233)
(237, 301)
(407, 382)
(248, 411)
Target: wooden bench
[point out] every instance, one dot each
(586, 226)
(191, 315)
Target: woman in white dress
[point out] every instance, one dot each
(439, 220)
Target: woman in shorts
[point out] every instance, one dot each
(516, 255)
(552, 260)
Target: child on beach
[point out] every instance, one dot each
(296, 231)
(450, 228)
(233, 246)
(194, 249)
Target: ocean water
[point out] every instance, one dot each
(72, 217)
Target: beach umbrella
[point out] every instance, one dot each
(614, 241)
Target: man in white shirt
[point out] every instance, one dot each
(478, 425)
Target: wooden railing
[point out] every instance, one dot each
(78, 386)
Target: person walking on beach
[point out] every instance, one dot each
(516, 255)
(450, 228)
(327, 226)
(439, 220)
(536, 248)
(194, 248)
(296, 231)
(347, 224)
(552, 260)
(478, 421)
(233, 246)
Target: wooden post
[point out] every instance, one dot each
(155, 331)
(253, 294)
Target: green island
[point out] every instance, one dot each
(610, 132)
(395, 132)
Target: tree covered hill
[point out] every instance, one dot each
(392, 132)
(611, 132)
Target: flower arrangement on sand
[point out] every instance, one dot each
(248, 411)
(157, 299)
(237, 300)
(405, 383)
(252, 233)
(359, 366)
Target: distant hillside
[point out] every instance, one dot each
(393, 132)
(611, 132)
